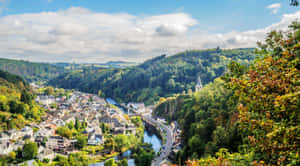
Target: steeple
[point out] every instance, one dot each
(198, 86)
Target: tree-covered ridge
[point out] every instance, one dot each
(29, 70)
(252, 116)
(17, 107)
(12, 80)
(159, 77)
(208, 120)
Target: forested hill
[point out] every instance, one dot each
(249, 116)
(29, 70)
(15, 80)
(17, 107)
(159, 77)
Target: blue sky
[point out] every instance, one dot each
(133, 30)
(213, 15)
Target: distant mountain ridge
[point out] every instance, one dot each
(31, 71)
(161, 76)
(109, 64)
(39, 71)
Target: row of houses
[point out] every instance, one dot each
(82, 106)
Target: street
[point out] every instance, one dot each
(167, 146)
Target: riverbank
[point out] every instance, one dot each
(151, 136)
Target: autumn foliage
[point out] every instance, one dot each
(269, 96)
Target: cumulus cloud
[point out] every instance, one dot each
(80, 35)
(274, 7)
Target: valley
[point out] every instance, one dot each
(201, 107)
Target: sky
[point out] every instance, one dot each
(97, 31)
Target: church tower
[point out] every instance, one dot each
(198, 86)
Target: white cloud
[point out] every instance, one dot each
(80, 35)
(274, 7)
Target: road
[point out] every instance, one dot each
(167, 145)
(164, 153)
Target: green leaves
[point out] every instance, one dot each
(269, 97)
(159, 77)
(29, 150)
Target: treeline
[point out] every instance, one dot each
(31, 71)
(159, 77)
(250, 116)
(17, 105)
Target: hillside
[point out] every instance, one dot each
(248, 117)
(17, 107)
(207, 119)
(34, 71)
(29, 70)
(159, 77)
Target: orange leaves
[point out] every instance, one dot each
(253, 75)
(270, 93)
(269, 59)
(234, 118)
(192, 163)
(252, 140)
(268, 115)
(260, 163)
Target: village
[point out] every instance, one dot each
(88, 109)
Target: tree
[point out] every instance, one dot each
(83, 124)
(3, 103)
(61, 161)
(220, 137)
(13, 106)
(162, 100)
(81, 142)
(105, 128)
(77, 124)
(64, 132)
(121, 141)
(70, 125)
(26, 97)
(110, 144)
(144, 158)
(123, 162)
(30, 150)
(269, 94)
(12, 155)
(196, 144)
(171, 84)
(110, 162)
(49, 90)
(21, 108)
(100, 93)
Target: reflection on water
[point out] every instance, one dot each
(130, 163)
(111, 101)
(149, 138)
(152, 139)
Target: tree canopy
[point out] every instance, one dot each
(158, 77)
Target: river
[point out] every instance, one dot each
(148, 138)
